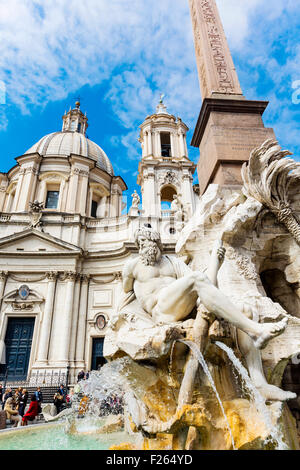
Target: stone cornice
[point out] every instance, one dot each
(221, 105)
(117, 276)
(34, 157)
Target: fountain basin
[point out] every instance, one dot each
(54, 437)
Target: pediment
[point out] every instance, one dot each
(33, 241)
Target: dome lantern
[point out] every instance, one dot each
(75, 121)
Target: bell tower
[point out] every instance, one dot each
(165, 169)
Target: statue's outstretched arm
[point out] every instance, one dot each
(216, 260)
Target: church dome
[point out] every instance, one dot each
(67, 142)
(72, 140)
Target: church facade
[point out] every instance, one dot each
(65, 236)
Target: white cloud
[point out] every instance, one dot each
(51, 48)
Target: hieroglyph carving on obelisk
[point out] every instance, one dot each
(217, 74)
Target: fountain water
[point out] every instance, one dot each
(259, 401)
(196, 351)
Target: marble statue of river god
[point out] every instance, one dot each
(168, 290)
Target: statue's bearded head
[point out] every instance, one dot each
(149, 244)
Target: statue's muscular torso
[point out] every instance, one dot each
(148, 281)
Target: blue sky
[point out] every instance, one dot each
(119, 55)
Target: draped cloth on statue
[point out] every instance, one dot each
(133, 331)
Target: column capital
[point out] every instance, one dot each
(3, 275)
(118, 276)
(70, 276)
(52, 275)
(85, 278)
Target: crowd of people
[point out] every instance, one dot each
(113, 404)
(20, 408)
(14, 404)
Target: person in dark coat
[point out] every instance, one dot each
(23, 402)
(80, 376)
(17, 396)
(1, 393)
(58, 402)
(62, 391)
(39, 395)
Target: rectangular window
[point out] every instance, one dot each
(52, 199)
(94, 209)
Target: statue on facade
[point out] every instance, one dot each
(177, 212)
(134, 210)
(135, 199)
(35, 212)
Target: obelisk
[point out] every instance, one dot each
(229, 126)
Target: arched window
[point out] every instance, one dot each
(166, 197)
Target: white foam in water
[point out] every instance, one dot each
(257, 398)
(196, 351)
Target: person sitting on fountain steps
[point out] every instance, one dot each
(168, 290)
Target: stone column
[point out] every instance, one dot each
(18, 190)
(3, 279)
(150, 144)
(2, 198)
(28, 188)
(74, 323)
(8, 203)
(42, 357)
(60, 198)
(83, 192)
(150, 207)
(115, 204)
(73, 186)
(181, 145)
(144, 145)
(102, 207)
(157, 152)
(173, 145)
(82, 318)
(42, 191)
(66, 318)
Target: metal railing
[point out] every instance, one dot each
(167, 213)
(38, 379)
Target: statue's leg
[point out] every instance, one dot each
(176, 301)
(255, 368)
(200, 337)
(219, 304)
